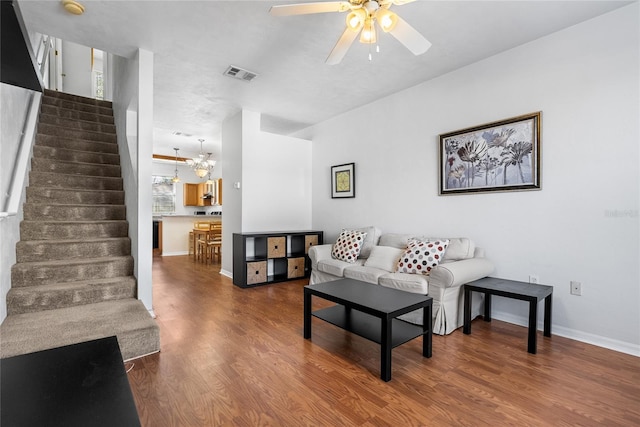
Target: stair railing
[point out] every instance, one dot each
(12, 200)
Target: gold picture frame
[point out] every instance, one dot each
(497, 156)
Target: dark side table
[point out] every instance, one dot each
(532, 293)
(80, 385)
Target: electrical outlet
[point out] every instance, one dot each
(576, 288)
(534, 279)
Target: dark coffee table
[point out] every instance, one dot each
(371, 311)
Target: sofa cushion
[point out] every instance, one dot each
(366, 274)
(421, 256)
(370, 241)
(416, 283)
(335, 266)
(394, 240)
(384, 257)
(348, 245)
(459, 247)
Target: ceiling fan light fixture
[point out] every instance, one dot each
(371, 6)
(355, 19)
(386, 19)
(73, 7)
(368, 34)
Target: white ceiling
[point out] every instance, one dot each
(195, 41)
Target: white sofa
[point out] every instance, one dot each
(462, 262)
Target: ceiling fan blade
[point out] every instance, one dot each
(342, 47)
(410, 37)
(308, 8)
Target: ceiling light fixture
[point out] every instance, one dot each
(361, 19)
(175, 178)
(73, 7)
(201, 165)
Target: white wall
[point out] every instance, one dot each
(276, 179)
(14, 105)
(231, 159)
(133, 114)
(583, 225)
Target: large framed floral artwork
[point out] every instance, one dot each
(498, 156)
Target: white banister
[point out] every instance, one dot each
(23, 155)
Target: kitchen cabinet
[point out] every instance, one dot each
(193, 195)
(218, 191)
(263, 258)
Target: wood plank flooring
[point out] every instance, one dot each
(236, 357)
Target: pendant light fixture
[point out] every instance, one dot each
(176, 178)
(209, 181)
(202, 164)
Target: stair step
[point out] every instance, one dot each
(33, 211)
(49, 272)
(65, 154)
(76, 124)
(76, 144)
(128, 319)
(76, 106)
(58, 180)
(74, 196)
(63, 132)
(73, 280)
(59, 295)
(74, 168)
(60, 230)
(77, 98)
(52, 250)
(76, 114)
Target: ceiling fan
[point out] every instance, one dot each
(361, 19)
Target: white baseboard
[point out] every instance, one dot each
(175, 253)
(600, 341)
(226, 273)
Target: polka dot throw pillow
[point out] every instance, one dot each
(421, 257)
(348, 246)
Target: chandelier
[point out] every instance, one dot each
(202, 164)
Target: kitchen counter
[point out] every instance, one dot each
(175, 232)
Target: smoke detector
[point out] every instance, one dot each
(240, 73)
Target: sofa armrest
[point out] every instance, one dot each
(318, 253)
(452, 274)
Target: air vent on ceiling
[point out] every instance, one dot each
(240, 74)
(178, 133)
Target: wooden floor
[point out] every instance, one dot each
(236, 357)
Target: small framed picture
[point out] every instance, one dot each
(498, 156)
(343, 181)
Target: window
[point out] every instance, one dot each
(164, 195)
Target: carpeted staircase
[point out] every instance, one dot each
(73, 278)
